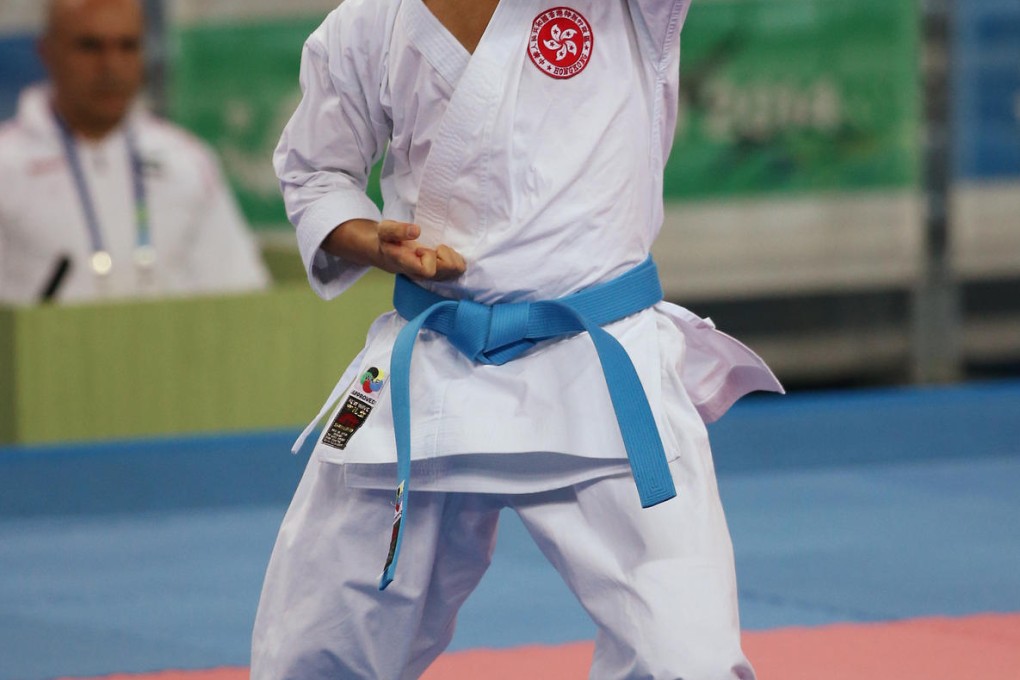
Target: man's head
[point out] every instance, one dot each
(93, 52)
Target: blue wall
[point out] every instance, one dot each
(19, 66)
(987, 82)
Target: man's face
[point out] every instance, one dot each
(93, 50)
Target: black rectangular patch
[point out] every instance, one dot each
(348, 420)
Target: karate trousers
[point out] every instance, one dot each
(659, 582)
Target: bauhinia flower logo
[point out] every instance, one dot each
(561, 42)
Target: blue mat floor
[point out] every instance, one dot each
(915, 514)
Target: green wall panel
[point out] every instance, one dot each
(236, 86)
(8, 378)
(797, 96)
(779, 96)
(179, 366)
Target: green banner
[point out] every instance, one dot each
(236, 85)
(778, 96)
(797, 95)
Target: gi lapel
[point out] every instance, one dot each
(439, 47)
(467, 125)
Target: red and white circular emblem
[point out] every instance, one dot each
(561, 42)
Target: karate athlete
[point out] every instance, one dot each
(101, 200)
(530, 363)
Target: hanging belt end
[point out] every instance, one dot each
(651, 498)
(390, 569)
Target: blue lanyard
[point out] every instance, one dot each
(101, 262)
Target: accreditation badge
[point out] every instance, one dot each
(357, 406)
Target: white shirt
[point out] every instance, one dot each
(201, 241)
(546, 185)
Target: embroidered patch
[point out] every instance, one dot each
(356, 408)
(561, 42)
(350, 418)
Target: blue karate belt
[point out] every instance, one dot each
(496, 334)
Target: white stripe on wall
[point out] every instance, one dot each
(753, 247)
(744, 247)
(20, 16)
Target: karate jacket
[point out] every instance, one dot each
(540, 159)
(200, 240)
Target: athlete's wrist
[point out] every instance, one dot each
(356, 241)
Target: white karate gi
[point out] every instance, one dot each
(201, 241)
(546, 185)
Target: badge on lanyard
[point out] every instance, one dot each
(101, 260)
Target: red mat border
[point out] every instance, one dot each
(938, 648)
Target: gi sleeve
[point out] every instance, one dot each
(660, 22)
(328, 148)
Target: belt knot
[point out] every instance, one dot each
(488, 334)
(495, 334)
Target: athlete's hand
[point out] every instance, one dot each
(392, 246)
(402, 254)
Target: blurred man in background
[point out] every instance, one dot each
(100, 199)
